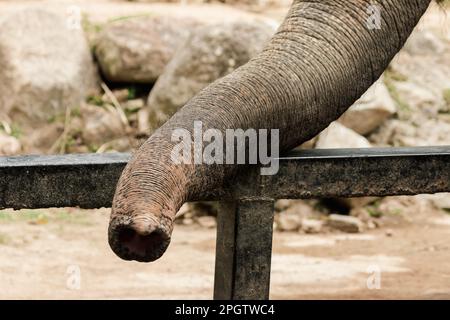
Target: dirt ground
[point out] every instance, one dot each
(64, 254)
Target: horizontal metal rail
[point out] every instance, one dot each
(89, 180)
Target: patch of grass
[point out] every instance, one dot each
(56, 118)
(16, 132)
(95, 100)
(93, 148)
(21, 215)
(76, 112)
(374, 212)
(395, 212)
(132, 93)
(42, 217)
(446, 95)
(88, 26)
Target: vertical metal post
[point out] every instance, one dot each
(243, 250)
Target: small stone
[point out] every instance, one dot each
(9, 145)
(389, 233)
(345, 223)
(134, 104)
(300, 208)
(142, 120)
(283, 204)
(371, 225)
(207, 222)
(339, 136)
(441, 201)
(312, 226)
(307, 145)
(100, 125)
(42, 139)
(188, 221)
(288, 222)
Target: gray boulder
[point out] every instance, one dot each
(138, 49)
(211, 52)
(46, 66)
(339, 136)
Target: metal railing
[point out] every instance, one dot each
(245, 220)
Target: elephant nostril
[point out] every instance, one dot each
(133, 244)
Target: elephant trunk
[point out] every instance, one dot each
(324, 56)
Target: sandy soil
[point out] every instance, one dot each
(63, 254)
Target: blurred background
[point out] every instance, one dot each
(101, 76)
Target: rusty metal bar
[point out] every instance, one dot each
(244, 235)
(352, 173)
(89, 180)
(243, 250)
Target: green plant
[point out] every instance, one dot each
(446, 95)
(16, 132)
(374, 212)
(95, 100)
(132, 93)
(89, 26)
(76, 112)
(395, 212)
(390, 78)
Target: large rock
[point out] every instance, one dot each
(138, 49)
(46, 66)
(210, 53)
(424, 42)
(338, 136)
(370, 111)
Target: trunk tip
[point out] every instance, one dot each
(135, 241)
